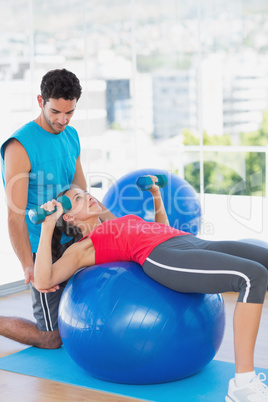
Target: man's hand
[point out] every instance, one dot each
(29, 277)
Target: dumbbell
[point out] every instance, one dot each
(144, 183)
(38, 215)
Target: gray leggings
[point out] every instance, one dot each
(191, 265)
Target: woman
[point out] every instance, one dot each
(176, 259)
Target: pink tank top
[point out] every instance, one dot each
(129, 238)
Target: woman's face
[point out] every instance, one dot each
(84, 205)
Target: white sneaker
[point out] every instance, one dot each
(254, 391)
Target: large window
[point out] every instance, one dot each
(166, 83)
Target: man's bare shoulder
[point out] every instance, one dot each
(13, 145)
(16, 155)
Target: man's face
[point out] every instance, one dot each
(56, 114)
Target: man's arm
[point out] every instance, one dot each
(17, 168)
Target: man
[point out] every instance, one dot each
(40, 160)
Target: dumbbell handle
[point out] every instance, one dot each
(144, 183)
(38, 215)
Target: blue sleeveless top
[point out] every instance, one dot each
(53, 161)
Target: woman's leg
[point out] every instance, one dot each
(238, 248)
(247, 315)
(246, 325)
(246, 385)
(189, 265)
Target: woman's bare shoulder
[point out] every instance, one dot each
(80, 254)
(84, 244)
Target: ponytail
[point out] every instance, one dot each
(69, 230)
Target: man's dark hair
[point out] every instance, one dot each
(60, 83)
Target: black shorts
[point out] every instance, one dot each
(46, 305)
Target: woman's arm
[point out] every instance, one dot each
(159, 208)
(75, 257)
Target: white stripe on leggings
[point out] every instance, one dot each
(206, 272)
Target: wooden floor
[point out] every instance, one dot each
(17, 387)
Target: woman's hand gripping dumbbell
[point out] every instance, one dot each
(38, 214)
(144, 183)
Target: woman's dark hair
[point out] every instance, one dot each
(63, 227)
(60, 83)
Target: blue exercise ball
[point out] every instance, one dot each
(179, 197)
(121, 326)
